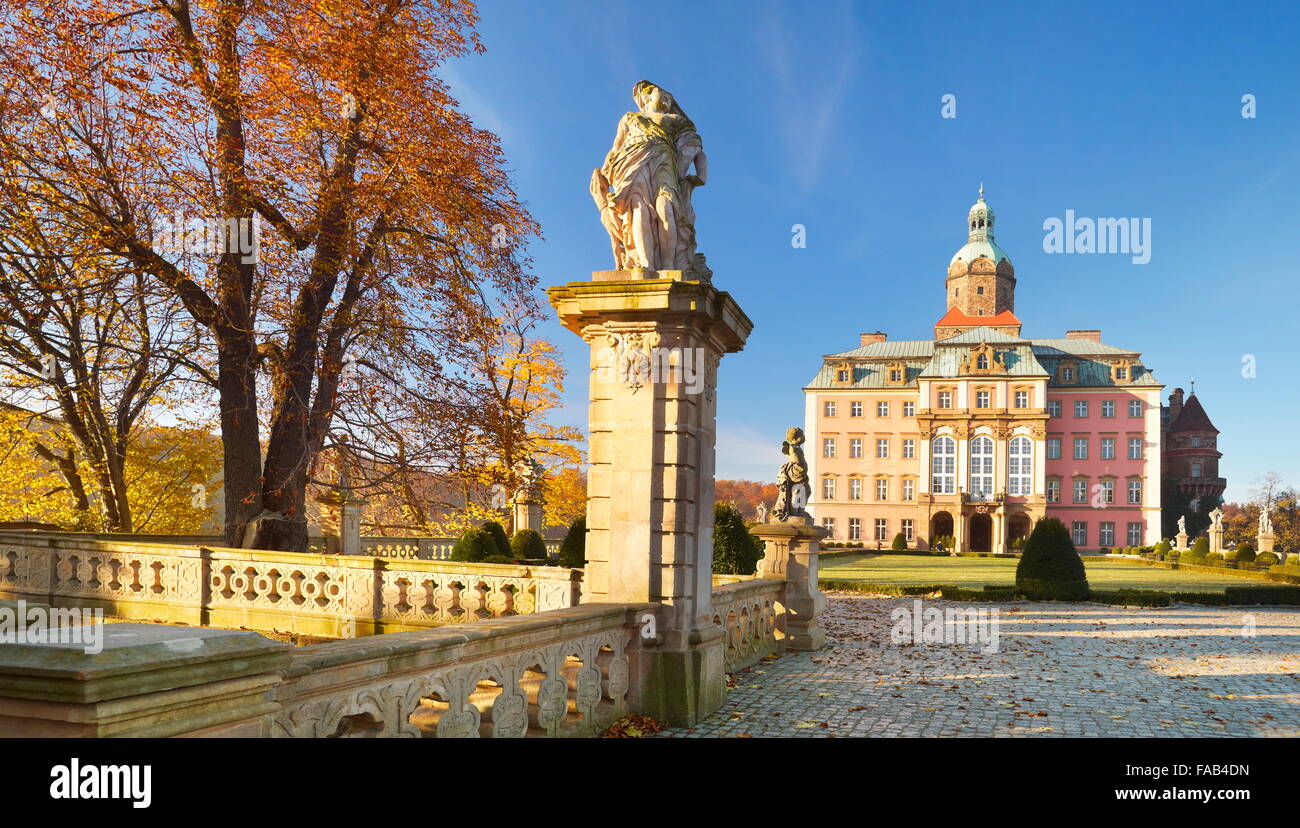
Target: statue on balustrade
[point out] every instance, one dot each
(792, 488)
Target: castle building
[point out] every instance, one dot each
(978, 432)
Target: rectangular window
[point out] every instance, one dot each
(909, 533)
(855, 409)
(909, 490)
(981, 399)
(842, 375)
(945, 399)
(882, 489)
(855, 447)
(1196, 469)
(895, 375)
(855, 529)
(828, 448)
(882, 529)
(1106, 534)
(882, 409)
(1079, 533)
(1135, 534)
(1053, 448)
(1053, 491)
(882, 447)
(1135, 448)
(1107, 448)
(1108, 408)
(1053, 408)
(1107, 491)
(1081, 491)
(1080, 448)
(828, 488)
(909, 449)
(1135, 408)
(828, 409)
(1022, 399)
(855, 489)
(1067, 375)
(829, 525)
(909, 409)
(1081, 408)
(1135, 492)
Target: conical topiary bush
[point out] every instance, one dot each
(1050, 568)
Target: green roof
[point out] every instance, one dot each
(979, 336)
(1019, 360)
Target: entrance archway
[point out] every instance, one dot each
(940, 526)
(981, 533)
(1017, 527)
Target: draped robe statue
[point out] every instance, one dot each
(643, 190)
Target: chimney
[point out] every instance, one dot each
(1093, 336)
(1175, 404)
(872, 338)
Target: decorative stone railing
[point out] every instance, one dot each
(321, 595)
(559, 673)
(429, 549)
(747, 611)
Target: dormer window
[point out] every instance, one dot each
(842, 375)
(982, 362)
(1067, 374)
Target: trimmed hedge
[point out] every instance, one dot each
(1246, 555)
(498, 535)
(1050, 568)
(1132, 598)
(900, 543)
(735, 550)
(499, 559)
(475, 546)
(528, 544)
(573, 551)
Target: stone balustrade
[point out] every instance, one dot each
(320, 595)
(566, 672)
(747, 609)
(558, 673)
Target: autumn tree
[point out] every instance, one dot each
(385, 209)
(91, 342)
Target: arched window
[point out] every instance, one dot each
(943, 466)
(1020, 470)
(981, 468)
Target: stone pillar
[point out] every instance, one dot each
(527, 514)
(1216, 539)
(1264, 542)
(341, 522)
(656, 339)
(791, 554)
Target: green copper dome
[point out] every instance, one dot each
(979, 238)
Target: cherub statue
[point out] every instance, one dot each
(792, 480)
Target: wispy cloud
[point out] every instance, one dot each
(812, 82)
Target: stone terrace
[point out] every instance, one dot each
(1062, 670)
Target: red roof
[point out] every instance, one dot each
(1193, 418)
(955, 317)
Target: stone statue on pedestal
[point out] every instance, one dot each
(644, 188)
(1265, 522)
(792, 481)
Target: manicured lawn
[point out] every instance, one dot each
(1103, 573)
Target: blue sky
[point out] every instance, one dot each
(828, 114)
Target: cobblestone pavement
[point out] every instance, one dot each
(1059, 670)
